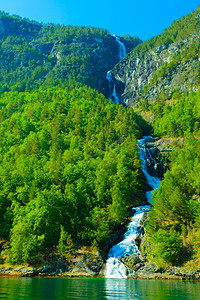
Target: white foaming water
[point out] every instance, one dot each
(110, 81)
(114, 94)
(144, 154)
(112, 85)
(122, 48)
(114, 267)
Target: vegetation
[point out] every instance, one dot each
(69, 168)
(175, 115)
(174, 225)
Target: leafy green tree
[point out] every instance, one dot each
(168, 246)
(65, 242)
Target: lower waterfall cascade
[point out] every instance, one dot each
(145, 156)
(114, 267)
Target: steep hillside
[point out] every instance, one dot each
(163, 64)
(69, 157)
(32, 54)
(160, 79)
(65, 150)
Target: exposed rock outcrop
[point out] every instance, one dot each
(77, 263)
(157, 71)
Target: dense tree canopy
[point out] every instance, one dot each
(69, 165)
(176, 211)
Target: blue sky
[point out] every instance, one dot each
(142, 18)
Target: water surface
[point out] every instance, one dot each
(64, 288)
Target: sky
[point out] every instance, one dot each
(141, 18)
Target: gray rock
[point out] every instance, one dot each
(134, 73)
(48, 268)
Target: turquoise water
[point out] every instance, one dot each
(63, 288)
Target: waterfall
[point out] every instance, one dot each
(112, 85)
(114, 267)
(112, 88)
(145, 156)
(122, 48)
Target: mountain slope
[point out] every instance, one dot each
(165, 63)
(160, 79)
(65, 150)
(68, 157)
(32, 54)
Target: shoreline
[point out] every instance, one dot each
(194, 276)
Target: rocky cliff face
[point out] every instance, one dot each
(164, 69)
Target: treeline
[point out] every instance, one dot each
(69, 169)
(52, 32)
(17, 26)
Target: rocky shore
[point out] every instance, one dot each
(90, 267)
(146, 271)
(78, 264)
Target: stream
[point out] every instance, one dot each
(114, 267)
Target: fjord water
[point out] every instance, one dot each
(98, 288)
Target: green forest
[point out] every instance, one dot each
(69, 167)
(69, 163)
(173, 228)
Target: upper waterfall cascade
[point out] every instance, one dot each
(122, 48)
(114, 267)
(112, 85)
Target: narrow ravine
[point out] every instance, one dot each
(114, 267)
